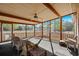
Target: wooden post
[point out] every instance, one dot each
(77, 26)
(34, 30)
(42, 31)
(1, 31)
(12, 29)
(60, 28)
(75, 23)
(78, 31)
(50, 37)
(26, 31)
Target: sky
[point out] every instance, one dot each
(67, 18)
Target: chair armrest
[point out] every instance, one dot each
(72, 40)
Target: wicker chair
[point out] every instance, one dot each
(71, 42)
(17, 44)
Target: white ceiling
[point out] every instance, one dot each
(27, 10)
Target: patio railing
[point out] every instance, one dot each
(22, 34)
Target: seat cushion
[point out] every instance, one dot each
(62, 44)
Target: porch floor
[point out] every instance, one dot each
(6, 49)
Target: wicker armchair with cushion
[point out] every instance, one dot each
(72, 43)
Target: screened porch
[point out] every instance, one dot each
(45, 27)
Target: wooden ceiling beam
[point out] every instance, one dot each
(10, 22)
(17, 17)
(49, 6)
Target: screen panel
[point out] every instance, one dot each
(46, 29)
(30, 30)
(6, 32)
(68, 28)
(55, 30)
(19, 30)
(38, 30)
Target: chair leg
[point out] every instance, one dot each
(78, 49)
(74, 48)
(67, 46)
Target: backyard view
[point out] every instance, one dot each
(30, 30)
(68, 26)
(55, 29)
(6, 31)
(20, 29)
(46, 29)
(38, 30)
